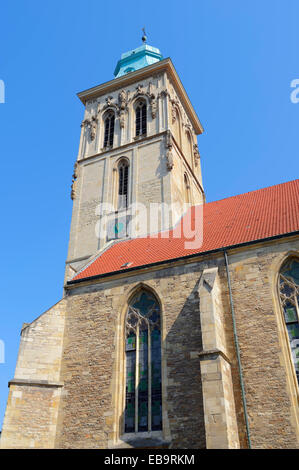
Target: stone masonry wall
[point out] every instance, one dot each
(272, 396)
(33, 401)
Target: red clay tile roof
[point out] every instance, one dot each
(256, 215)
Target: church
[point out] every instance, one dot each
(178, 326)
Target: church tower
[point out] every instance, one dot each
(138, 153)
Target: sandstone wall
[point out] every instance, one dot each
(32, 409)
(271, 389)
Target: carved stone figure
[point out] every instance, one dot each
(93, 127)
(169, 156)
(164, 92)
(122, 119)
(122, 107)
(187, 124)
(196, 154)
(152, 99)
(122, 98)
(169, 160)
(173, 113)
(139, 90)
(109, 101)
(153, 107)
(74, 178)
(175, 106)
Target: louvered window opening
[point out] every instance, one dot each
(123, 186)
(143, 409)
(109, 130)
(289, 298)
(141, 119)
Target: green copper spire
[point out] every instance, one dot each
(137, 58)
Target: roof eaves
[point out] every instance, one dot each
(193, 255)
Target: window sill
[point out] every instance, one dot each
(141, 440)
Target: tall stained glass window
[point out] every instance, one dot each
(143, 411)
(289, 297)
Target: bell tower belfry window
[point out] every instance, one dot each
(109, 129)
(141, 118)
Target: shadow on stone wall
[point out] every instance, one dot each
(184, 391)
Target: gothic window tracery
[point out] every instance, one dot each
(141, 121)
(109, 129)
(289, 298)
(143, 409)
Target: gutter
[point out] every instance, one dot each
(238, 351)
(193, 255)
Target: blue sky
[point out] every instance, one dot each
(236, 61)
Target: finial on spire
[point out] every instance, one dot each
(144, 37)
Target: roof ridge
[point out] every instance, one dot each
(253, 191)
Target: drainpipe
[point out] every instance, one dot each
(238, 351)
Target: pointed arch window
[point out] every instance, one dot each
(289, 298)
(143, 408)
(141, 118)
(123, 174)
(109, 129)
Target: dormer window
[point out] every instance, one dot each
(109, 129)
(141, 118)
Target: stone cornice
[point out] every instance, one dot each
(163, 65)
(120, 148)
(123, 147)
